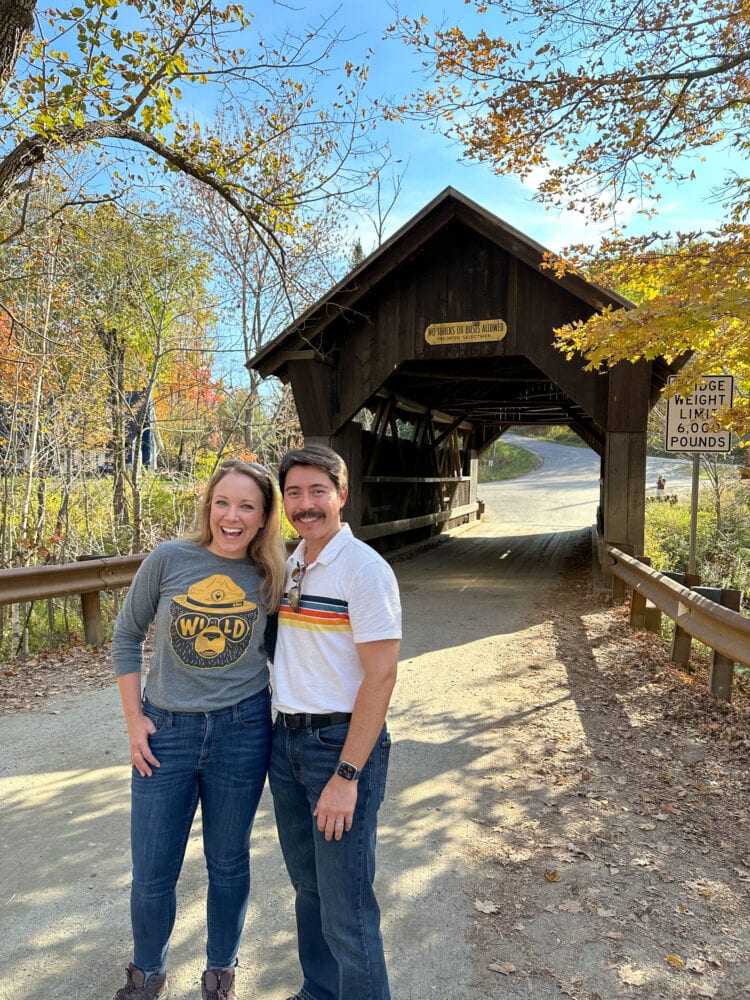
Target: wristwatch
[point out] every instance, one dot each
(347, 771)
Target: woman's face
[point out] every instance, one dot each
(236, 515)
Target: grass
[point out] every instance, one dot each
(508, 462)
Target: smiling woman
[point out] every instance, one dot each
(205, 710)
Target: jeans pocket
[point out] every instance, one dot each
(255, 710)
(158, 716)
(332, 737)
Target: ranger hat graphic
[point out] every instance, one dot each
(215, 593)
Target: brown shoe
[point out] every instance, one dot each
(217, 984)
(137, 988)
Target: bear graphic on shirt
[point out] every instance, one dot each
(212, 625)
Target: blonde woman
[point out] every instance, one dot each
(200, 731)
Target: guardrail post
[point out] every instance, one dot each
(682, 640)
(641, 613)
(619, 587)
(91, 613)
(722, 668)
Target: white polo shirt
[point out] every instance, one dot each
(348, 595)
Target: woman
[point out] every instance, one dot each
(201, 731)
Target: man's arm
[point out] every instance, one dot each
(338, 799)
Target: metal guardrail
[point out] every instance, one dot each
(87, 578)
(725, 631)
(31, 583)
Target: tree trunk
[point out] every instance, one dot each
(114, 350)
(16, 24)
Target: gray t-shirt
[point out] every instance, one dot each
(209, 625)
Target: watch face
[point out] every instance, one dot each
(348, 771)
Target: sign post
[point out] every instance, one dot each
(690, 427)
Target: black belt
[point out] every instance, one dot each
(302, 721)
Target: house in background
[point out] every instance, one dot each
(48, 436)
(140, 431)
(57, 448)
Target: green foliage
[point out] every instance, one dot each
(84, 525)
(557, 435)
(722, 544)
(56, 624)
(120, 80)
(287, 531)
(505, 461)
(169, 504)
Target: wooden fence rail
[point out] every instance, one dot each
(723, 630)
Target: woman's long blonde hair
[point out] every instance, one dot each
(266, 551)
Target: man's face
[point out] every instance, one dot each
(313, 505)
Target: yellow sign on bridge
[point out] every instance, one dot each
(468, 332)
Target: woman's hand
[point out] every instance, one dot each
(140, 728)
(139, 725)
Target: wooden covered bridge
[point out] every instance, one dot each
(437, 344)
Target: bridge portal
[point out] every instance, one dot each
(436, 345)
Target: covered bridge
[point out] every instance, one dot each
(437, 344)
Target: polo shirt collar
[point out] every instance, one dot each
(331, 550)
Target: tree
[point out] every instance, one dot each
(144, 291)
(607, 97)
(109, 77)
(606, 101)
(693, 299)
(259, 300)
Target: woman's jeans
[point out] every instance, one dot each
(219, 759)
(338, 919)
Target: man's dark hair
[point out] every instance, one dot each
(320, 457)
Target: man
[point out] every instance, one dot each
(334, 672)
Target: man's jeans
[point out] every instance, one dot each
(338, 919)
(219, 759)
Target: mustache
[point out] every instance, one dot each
(306, 513)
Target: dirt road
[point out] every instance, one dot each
(566, 816)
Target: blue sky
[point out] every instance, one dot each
(434, 163)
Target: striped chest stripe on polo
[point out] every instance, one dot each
(323, 614)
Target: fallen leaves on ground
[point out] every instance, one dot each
(26, 685)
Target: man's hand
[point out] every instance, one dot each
(335, 809)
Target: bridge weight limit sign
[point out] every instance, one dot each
(690, 427)
(690, 418)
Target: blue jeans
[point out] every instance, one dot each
(219, 759)
(338, 918)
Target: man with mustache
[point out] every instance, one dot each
(333, 674)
